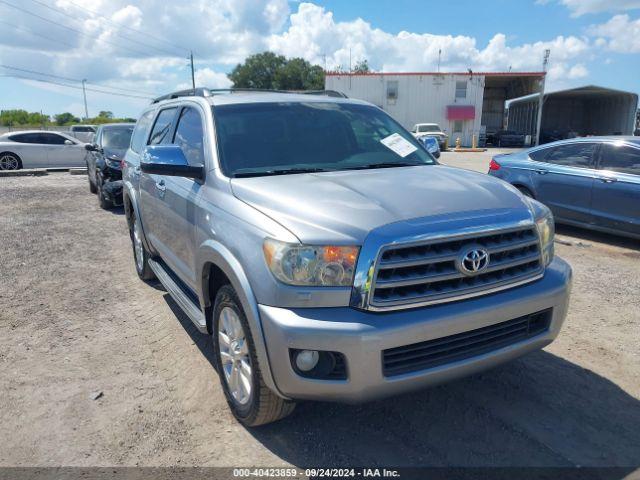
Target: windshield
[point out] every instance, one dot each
(287, 137)
(117, 137)
(429, 128)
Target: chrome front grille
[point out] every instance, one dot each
(430, 272)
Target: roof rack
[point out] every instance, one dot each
(209, 92)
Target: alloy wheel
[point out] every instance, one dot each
(234, 356)
(9, 162)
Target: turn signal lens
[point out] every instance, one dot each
(310, 265)
(493, 165)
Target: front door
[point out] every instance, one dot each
(563, 180)
(616, 191)
(61, 154)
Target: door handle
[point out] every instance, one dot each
(608, 179)
(542, 172)
(161, 186)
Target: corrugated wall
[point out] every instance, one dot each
(421, 98)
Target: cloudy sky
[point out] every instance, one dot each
(140, 48)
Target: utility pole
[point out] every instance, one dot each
(84, 94)
(193, 74)
(439, 55)
(541, 98)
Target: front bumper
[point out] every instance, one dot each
(362, 336)
(113, 191)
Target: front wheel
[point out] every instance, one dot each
(250, 400)
(105, 203)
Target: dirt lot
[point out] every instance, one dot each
(77, 324)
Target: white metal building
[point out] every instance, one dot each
(463, 104)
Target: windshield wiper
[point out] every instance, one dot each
(385, 165)
(282, 171)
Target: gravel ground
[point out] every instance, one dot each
(100, 369)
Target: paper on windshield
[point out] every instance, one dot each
(398, 144)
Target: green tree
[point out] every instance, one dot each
(362, 67)
(105, 114)
(65, 118)
(270, 71)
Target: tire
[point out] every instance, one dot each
(525, 191)
(140, 254)
(10, 161)
(105, 203)
(257, 404)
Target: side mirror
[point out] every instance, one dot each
(169, 160)
(91, 147)
(68, 142)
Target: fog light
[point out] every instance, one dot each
(307, 359)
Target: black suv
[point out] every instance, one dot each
(103, 165)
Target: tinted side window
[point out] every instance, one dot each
(162, 127)
(572, 155)
(24, 138)
(620, 159)
(139, 137)
(52, 139)
(189, 136)
(539, 155)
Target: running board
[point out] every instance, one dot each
(184, 302)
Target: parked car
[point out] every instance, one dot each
(103, 162)
(40, 149)
(84, 133)
(548, 136)
(328, 255)
(420, 130)
(506, 138)
(589, 182)
(431, 144)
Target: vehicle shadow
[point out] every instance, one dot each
(541, 411)
(600, 237)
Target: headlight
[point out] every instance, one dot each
(546, 229)
(310, 265)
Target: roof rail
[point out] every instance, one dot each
(208, 92)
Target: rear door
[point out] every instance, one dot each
(563, 180)
(153, 187)
(616, 190)
(29, 147)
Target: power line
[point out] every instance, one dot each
(10, 67)
(24, 77)
(93, 12)
(61, 12)
(31, 32)
(71, 29)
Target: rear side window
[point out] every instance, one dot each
(572, 155)
(162, 127)
(620, 158)
(139, 137)
(25, 138)
(190, 136)
(52, 139)
(539, 155)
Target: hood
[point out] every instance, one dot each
(114, 152)
(343, 207)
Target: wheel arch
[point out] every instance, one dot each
(218, 266)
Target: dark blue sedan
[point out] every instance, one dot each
(591, 182)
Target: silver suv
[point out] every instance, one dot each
(328, 254)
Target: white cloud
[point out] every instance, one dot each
(620, 34)
(582, 7)
(315, 35)
(205, 77)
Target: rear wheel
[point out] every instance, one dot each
(250, 400)
(10, 161)
(140, 254)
